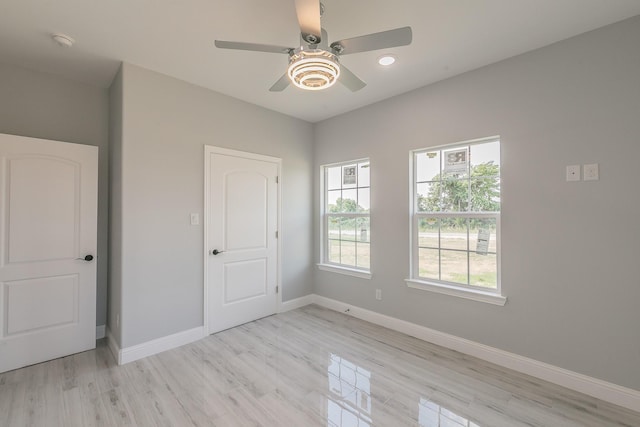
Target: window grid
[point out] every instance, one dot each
(468, 250)
(345, 215)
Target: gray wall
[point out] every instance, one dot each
(44, 106)
(165, 125)
(570, 264)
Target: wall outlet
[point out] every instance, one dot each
(195, 219)
(591, 172)
(379, 294)
(573, 173)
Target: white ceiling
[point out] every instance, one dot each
(175, 37)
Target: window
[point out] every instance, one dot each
(346, 222)
(456, 220)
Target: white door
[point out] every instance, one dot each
(48, 216)
(241, 193)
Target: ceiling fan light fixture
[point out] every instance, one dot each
(313, 69)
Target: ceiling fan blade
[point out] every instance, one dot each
(350, 80)
(256, 47)
(382, 40)
(308, 12)
(281, 84)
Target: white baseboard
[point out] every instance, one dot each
(129, 354)
(149, 348)
(609, 392)
(101, 331)
(296, 303)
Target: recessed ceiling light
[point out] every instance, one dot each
(63, 39)
(386, 60)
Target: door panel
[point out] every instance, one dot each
(48, 217)
(245, 217)
(244, 280)
(242, 219)
(42, 212)
(34, 304)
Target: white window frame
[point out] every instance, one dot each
(324, 263)
(491, 296)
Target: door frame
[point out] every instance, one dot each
(211, 149)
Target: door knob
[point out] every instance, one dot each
(86, 258)
(215, 252)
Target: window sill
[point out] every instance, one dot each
(472, 294)
(362, 274)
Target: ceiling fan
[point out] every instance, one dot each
(315, 64)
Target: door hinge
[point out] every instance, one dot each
(276, 234)
(277, 288)
(277, 179)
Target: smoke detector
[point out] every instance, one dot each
(63, 39)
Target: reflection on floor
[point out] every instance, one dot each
(431, 414)
(308, 367)
(349, 401)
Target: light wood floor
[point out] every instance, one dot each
(308, 367)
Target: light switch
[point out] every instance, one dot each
(591, 172)
(573, 173)
(195, 219)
